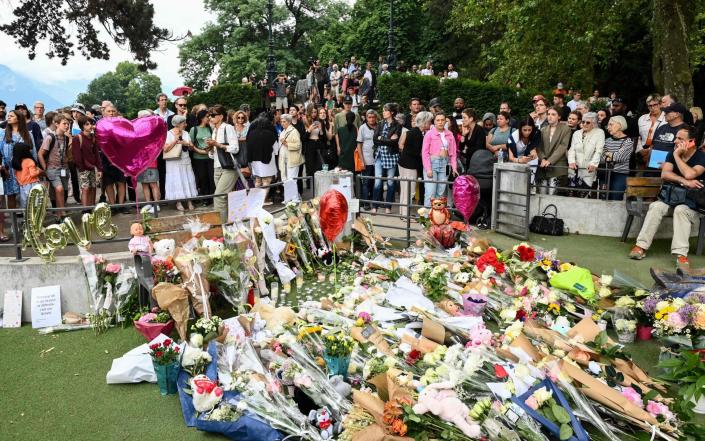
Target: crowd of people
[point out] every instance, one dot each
(331, 118)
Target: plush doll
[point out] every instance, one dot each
(165, 248)
(450, 307)
(340, 386)
(322, 419)
(441, 400)
(206, 393)
(439, 214)
(139, 242)
(213, 246)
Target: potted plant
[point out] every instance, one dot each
(336, 353)
(153, 323)
(165, 358)
(687, 370)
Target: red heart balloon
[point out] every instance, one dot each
(131, 145)
(333, 213)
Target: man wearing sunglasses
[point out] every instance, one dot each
(180, 106)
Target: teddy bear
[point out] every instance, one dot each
(213, 246)
(439, 214)
(206, 393)
(164, 248)
(340, 386)
(441, 400)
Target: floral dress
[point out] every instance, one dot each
(10, 182)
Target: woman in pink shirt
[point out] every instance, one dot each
(438, 151)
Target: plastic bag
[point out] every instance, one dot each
(576, 280)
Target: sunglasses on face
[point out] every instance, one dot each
(585, 122)
(181, 105)
(213, 115)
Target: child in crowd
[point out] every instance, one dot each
(26, 171)
(53, 156)
(87, 159)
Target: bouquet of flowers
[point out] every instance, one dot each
(209, 328)
(164, 353)
(433, 278)
(165, 271)
(227, 271)
(679, 321)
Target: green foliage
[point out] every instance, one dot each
(229, 95)
(129, 88)
(483, 97)
(236, 44)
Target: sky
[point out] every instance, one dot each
(179, 16)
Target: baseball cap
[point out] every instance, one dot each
(538, 97)
(347, 99)
(435, 102)
(676, 107)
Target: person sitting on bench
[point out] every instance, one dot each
(682, 167)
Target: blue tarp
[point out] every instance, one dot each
(246, 428)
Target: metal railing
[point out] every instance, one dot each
(17, 215)
(600, 188)
(410, 206)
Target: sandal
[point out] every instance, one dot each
(4, 238)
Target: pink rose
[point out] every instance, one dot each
(113, 268)
(655, 409)
(633, 396)
(676, 322)
(532, 402)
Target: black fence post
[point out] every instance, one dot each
(16, 236)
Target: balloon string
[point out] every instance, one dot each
(137, 195)
(335, 266)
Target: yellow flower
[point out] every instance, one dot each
(565, 267)
(554, 307)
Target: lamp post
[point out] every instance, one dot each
(271, 61)
(391, 50)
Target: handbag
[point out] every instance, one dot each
(673, 194)
(174, 153)
(547, 223)
(226, 159)
(697, 197)
(359, 163)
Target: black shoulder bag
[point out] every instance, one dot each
(547, 223)
(226, 159)
(673, 194)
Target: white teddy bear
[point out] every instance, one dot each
(213, 246)
(206, 393)
(164, 248)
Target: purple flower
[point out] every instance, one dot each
(687, 312)
(650, 304)
(695, 297)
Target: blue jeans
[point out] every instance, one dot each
(367, 184)
(618, 182)
(431, 189)
(379, 185)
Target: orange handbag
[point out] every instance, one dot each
(359, 163)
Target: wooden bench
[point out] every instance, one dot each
(172, 227)
(639, 194)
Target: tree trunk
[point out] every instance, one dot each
(672, 71)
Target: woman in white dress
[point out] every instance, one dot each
(180, 180)
(261, 140)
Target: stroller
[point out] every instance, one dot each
(481, 166)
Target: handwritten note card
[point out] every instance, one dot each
(291, 191)
(46, 306)
(13, 309)
(237, 205)
(255, 201)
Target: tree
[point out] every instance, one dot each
(127, 22)
(236, 44)
(129, 88)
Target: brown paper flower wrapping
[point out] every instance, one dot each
(174, 299)
(184, 262)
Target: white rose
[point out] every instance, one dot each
(606, 280)
(625, 302)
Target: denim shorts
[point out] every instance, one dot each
(55, 178)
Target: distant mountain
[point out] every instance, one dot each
(17, 88)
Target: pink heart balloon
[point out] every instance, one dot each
(131, 145)
(466, 195)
